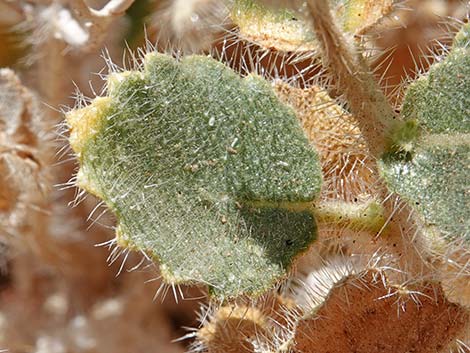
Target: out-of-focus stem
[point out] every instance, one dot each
(114, 8)
(98, 21)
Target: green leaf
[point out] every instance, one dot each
(207, 172)
(272, 26)
(433, 175)
(440, 101)
(281, 25)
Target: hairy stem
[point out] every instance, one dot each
(378, 123)
(359, 217)
(367, 103)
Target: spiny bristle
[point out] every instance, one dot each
(455, 272)
(417, 36)
(245, 326)
(419, 317)
(312, 291)
(346, 164)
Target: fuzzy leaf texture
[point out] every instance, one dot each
(278, 24)
(207, 172)
(433, 176)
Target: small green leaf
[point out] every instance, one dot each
(440, 101)
(272, 27)
(433, 174)
(435, 182)
(206, 171)
(283, 27)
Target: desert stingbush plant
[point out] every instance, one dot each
(209, 163)
(211, 175)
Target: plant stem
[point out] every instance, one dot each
(98, 21)
(358, 217)
(367, 103)
(378, 122)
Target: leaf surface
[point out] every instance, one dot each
(206, 171)
(434, 175)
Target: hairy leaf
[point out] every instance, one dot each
(433, 175)
(280, 25)
(206, 171)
